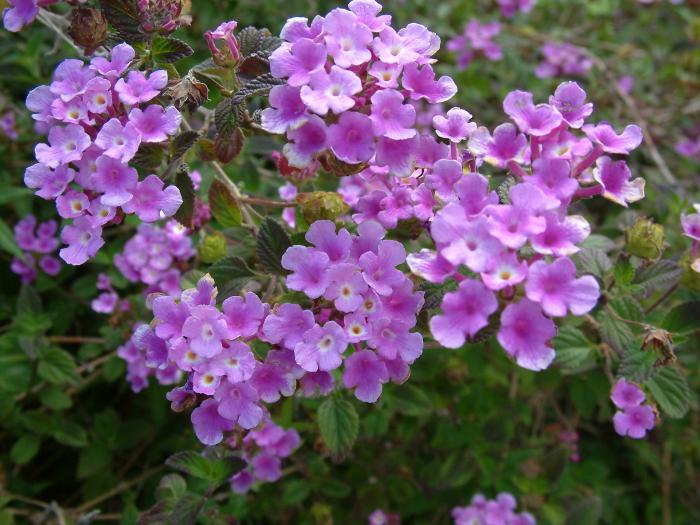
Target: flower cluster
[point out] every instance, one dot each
(263, 449)
(108, 299)
(498, 511)
(690, 146)
(633, 418)
(140, 365)
(161, 16)
(520, 249)
(509, 8)
(96, 119)
(342, 91)
(8, 125)
(562, 59)
(39, 244)
(20, 13)
(152, 257)
(362, 299)
(476, 41)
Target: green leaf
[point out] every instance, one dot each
(615, 332)
(181, 144)
(683, 318)
(258, 86)
(224, 205)
(256, 42)
(92, 460)
(637, 365)
(56, 366)
(8, 243)
(586, 512)
(659, 276)
(149, 156)
(575, 353)
(295, 491)
(186, 510)
(230, 275)
(339, 424)
(228, 117)
(503, 190)
(28, 301)
(70, 434)
(593, 261)
(55, 398)
(624, 272)
(600, 242)
(411, 401)
(213, 470)
(184, 183)
(671, 391)
(168, 49)
(272, 242)
(628, 308)
(25, 448)
(171, 487)
(125, 17)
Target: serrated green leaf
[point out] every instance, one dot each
(258, 86)
(575, 353)
(148, 156)
(593, 261)
(181, 144)
(272, 242)
(125, 17)
(171, 487)
(56, 366)
(186, 510)
(683, 318)
(671, 392)
(28, 301)
(230, 274)
(339, 423)
(295, 491)
(662, 275)
(224, 205)
(628, 308)
(624, 272)
(228, 117)
(167, 50)
(185, 213)
(25, 448)
(637, 365)
(615, 332)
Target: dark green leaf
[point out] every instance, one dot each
(295, 491)
(181, 144)
(25, 448)
(660, 276)
(70, 434)
(168, 49)
(93, 459)
(28, 301)
(638, 365)
(615, 332)
(56, 366)
(683, 318)
(148, 156)
(186, 510)
(593, 261)
(125, 17)
(272, 242)
(184, 183)
(671, 391)
(224, 205)
(411, 400)
(258, 86)
(55, 398)
(228, 117)
(230, 274)
(339, 424)
(575, 353)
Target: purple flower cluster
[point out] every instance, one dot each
(8, 125)
(633, 418)
(108, 299)
(39, 243)
(509, 8)
(477, 41)
(140, 365)
(498, 511)
(690, 146)
(569, 438)
(20, 13)
(363, 300)
(96, 119)
(342, 93)
(562, 59)
(152, 257)
(263, 449)
(473, 230)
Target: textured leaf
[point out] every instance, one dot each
(628, 308)
(683, 319)
(181, 144)
(223, 205)
(593, 261)
(575, 353)
(190, 463)
(660, 276)
(638, 365)
(171, 487)
(615, 332)
(339, 424)
(186, 510)
(56, 366)
(124, 16)
(600, 242)
(7, 241)
(70, 434)
(228, 148)
(230, 275)
(184, 183)
(258, 86)
(272, 242)
(168, 49)
(253, 41)
(149, 156)
(228, 117)
(671, 391)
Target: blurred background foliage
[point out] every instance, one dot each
(74, 438)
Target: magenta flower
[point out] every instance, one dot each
(561, 235)
(473, 193)
(614, 176)
(209, 426)
(386, 75)
(454, 126)
(430, 265)
(525, 334)
(379, 270)
(570, 100)
(155, 123)
(72, 204)
(563, 59)
(271, 381)
(626, 395)
(239, 404)
(366, 373)
(48, 183)
(347, 40)
(151, 202)
(309, 269)
(223, 31)
(465, 312)
(505, 145)
(66, 145)
(70, 79)
(98, 95)
(356, 327)
(117, 141)
(72, 112)
(443, 177)
(690, 224)
(503, 271)
(346, 287)
(421, 83)
(397, 155)
(298, 27)
(403, 303)
(170, 315)
(83, 240)
(352, 138)
(323, 236)
(19, 13)
(557, 289)
(205, 330)
(298, 61)
(236, 362)
(286, 110)
(553, 177)
(267, 467)
(332, 91)
(307, 140)
(321, 348)
(120, 58)
(605, 136)
(243, 317)
(138, 88)
(635, 422)
(287, 324)
(537, 120)
(395, 206)
(391, 117)
(115, 180)
(367, 12)
(392, 339)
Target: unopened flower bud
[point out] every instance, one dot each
(88, 28)
(645, 239)
(319, 205)
(212, 247)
